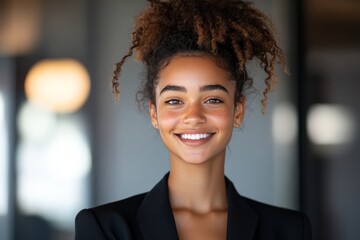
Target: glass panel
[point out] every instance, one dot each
(53, 166)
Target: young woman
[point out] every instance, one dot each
(196, 52)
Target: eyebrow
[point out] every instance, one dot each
(213, 87)
(202, 88)
(173, 88)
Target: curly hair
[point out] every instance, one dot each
(231, 31)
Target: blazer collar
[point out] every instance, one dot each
(156, 219)
(155, 216)
(242, 219)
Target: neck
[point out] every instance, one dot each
(198, 188)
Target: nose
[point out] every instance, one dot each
(194, 114)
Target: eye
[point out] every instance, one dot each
(214, 101)
(173, 102)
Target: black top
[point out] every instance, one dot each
(149, 216)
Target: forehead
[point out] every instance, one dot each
(193, 70)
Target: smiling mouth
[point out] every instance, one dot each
(196, 136)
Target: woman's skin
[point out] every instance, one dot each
(195, 114)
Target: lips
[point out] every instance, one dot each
(194, 139)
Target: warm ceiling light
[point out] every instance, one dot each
(20, 22)
(59, 85)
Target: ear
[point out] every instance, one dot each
(153, 114)
(239, 112)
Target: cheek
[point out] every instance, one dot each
(222, 119)
(167, 119)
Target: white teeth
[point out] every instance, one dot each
(195, 136)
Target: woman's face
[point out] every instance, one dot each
(194, 110)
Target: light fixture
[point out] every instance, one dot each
(330, 124)
(285, 124)
(19, 26)
(59, 85)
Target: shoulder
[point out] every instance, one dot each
(266, 210)
(111, 219)
(281, 221)
(125, 209)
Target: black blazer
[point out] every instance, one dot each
(149, 216)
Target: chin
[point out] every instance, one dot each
(195, 159)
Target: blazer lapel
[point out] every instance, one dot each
(157, 222)
(242, 219)
(155, 216)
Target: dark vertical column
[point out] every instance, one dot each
(311, 166)
(301, 104)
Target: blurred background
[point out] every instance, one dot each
(65, 145)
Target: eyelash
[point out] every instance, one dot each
(214, 101)
(173, 102)
(210, 101)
